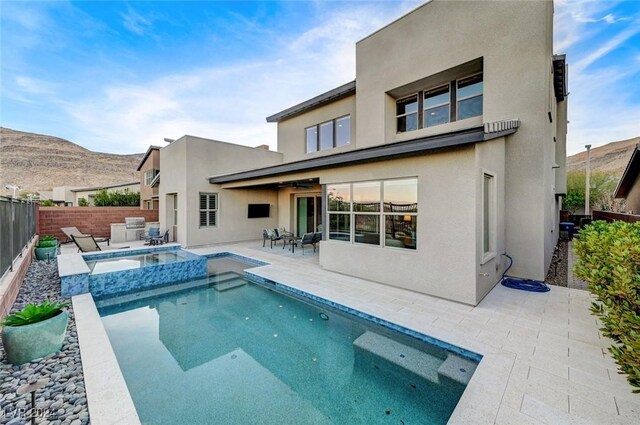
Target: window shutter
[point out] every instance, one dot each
(203, 218)
(213, 201)
(203, 202)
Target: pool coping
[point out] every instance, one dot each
(108, 396)
(107, 391)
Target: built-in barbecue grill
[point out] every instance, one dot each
(134, 227)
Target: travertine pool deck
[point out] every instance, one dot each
(545, 362)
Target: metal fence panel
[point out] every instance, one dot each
(17, 228)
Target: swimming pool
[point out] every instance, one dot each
(227, 350)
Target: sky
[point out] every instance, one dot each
(118, 76)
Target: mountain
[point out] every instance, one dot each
(612, 157)
(36, 162)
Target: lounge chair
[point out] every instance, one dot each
(271, 235)
(154, 232)
(73, 231)
(86, 243)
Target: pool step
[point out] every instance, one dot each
(408, 358)
(225, 281)
(457, 369)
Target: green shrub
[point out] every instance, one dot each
(609, 261)
(47, 241)
(46, 203)
(83, 202)
(125, 198)
(32, 313)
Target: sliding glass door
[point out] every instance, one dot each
(308, 214)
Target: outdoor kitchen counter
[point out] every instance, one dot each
(120, 233)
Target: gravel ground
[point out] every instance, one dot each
(561, 275)
(63, 400)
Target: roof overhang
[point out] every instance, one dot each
(560, 70)
(414, 147)
(113, 186)
(315, 102)
(146, 155)
(630, 175)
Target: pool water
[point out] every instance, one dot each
(224, 350)
(108, 265)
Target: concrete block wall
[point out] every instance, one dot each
(91, 220)
(11, 282)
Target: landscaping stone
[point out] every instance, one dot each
(64, 396)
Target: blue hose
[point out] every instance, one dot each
(522, 284)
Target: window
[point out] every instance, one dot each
(363, 212)
(436, 106)
(487, 215)
(469, 97)
(329, 135)
(407, 114)
(208, 209)
(312, 139)
(149, 175)
(326, 135)
(343, 131)
(458, 100)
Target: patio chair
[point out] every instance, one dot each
(160, 239)
(86, 243)
(310, 239)
(271, 235)
(154, 232)
(73, 231)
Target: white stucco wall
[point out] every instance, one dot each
(514, 40)
(291, 132)
(186, 164)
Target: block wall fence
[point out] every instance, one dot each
(90, 220)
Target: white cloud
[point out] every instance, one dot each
(135, 22)
(34, 85)
(229, 103)
(602, 112)
(608, 46)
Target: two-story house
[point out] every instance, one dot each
(149, 168)
(447, 151)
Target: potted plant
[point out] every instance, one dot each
(35, 331)
(47, 248)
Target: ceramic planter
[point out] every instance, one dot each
(46, 253)
(23, 344)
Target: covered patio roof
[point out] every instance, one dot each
(414, 147)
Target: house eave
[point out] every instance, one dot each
(631, 172)
(146, 155)
(413, 147)
(315, 102)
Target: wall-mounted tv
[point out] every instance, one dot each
(258, 210)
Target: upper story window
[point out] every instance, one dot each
(459, 99)
(469, 97)
(328, 135)
(149, 175)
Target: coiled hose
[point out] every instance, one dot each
(522, 284)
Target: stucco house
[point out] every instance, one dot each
(447, 151)
(629, 185)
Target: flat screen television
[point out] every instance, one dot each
(258, 210)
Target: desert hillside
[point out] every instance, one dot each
(612, 157)
(36, 162)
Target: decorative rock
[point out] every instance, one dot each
(64, 395)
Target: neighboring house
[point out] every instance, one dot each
(629, 185)
(63, 196)
(149, 169)
(89, 193)
(447, 151)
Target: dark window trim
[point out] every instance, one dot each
(334, 137)
(453, 101)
